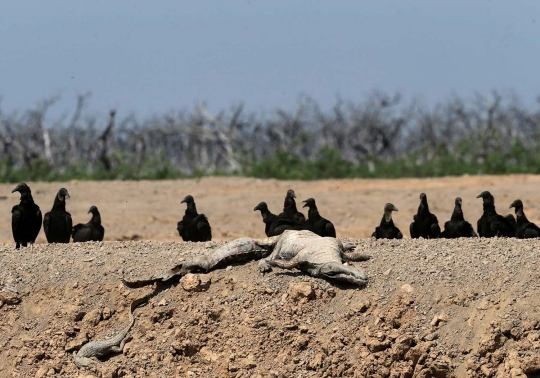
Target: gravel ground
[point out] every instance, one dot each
(432, 308)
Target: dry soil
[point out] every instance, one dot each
(432, 308)
(149, 210)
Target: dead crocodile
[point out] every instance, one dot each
(89, 353)
(317, 256)
(310, 253)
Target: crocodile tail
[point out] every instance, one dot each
(283, 264)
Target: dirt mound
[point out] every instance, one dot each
(432, 308)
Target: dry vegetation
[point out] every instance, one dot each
(379, 136)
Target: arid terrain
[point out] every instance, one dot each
(432, 308)
(149, 210)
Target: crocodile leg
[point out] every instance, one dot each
(349, 254)
(85, 362)
(284, 264)
(343, 273)
(355, 256)
(119, 348)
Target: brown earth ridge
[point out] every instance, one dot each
(432, 308)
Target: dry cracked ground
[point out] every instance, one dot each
(432, 308)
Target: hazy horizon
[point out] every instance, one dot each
(136, 56)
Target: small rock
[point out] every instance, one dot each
(42, 372)
(407, 288)
(316, 362)
(75, 313)
(363, 307)
(107, 313)
(194, 282)
(77, 342)
(208, 356)
(93, 317)
(248, 363)
(506, 326)
(9, 298)
(533, 336)
(290, 326)
(531, 365)
(483, 305)
(109, 371)
(301, 342)
(375, 345)
(485, 370)
(330, 293)
(442, 317)
(516, 332)
(432, 336)
(517, 373)
(301, 291)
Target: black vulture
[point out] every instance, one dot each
(317, 224)
(57, 223)
(524, 228)
(274, 224)
(492, 224)
(457, 226)
(424, 223)
(289, 208)
(194, 227)
(386, 229)
(26, 218)
(91, 231)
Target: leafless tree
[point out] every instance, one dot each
(382, 127)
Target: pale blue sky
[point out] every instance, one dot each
(153, 56)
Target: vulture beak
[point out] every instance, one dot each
(483, 195)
